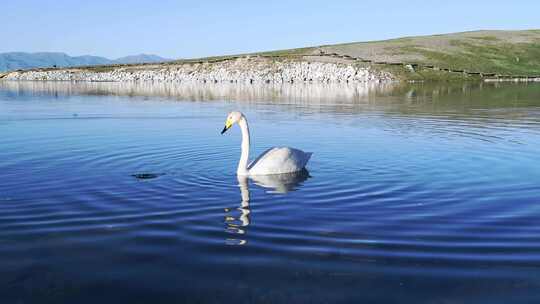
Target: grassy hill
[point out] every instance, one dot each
(513, 53)
(504, 52)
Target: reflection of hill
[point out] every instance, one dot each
(339, 98)
(200, 92)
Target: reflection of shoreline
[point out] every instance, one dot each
(308, 94)
(402, 98)
(203, 92)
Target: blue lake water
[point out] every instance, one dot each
(422, 193)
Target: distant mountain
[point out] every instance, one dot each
(21, 60)
(141, 58)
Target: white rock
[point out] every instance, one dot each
(241, 70)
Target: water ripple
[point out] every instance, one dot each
(397, 189)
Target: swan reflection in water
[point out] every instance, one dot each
(237, 222)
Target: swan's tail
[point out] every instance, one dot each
(306, 159)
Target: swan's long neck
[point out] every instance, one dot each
(244, 157)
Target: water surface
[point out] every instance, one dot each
(127, 193)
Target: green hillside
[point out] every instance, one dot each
(503, 52)
(457, 56)
(511, 53)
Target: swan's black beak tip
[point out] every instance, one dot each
(224, 130)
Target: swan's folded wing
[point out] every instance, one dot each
(260, 157)
(279, 160)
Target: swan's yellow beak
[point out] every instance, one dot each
(228, 125)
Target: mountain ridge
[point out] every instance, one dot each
(24, 60)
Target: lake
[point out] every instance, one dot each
(415, 193)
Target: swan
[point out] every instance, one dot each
(276, 160)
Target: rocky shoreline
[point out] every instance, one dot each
(241, 70)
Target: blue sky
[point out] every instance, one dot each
(201, 28)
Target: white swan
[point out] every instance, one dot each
(275, 160)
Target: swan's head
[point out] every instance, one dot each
(232, 118)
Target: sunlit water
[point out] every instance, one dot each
(128, 193)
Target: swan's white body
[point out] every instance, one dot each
(277, 160)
